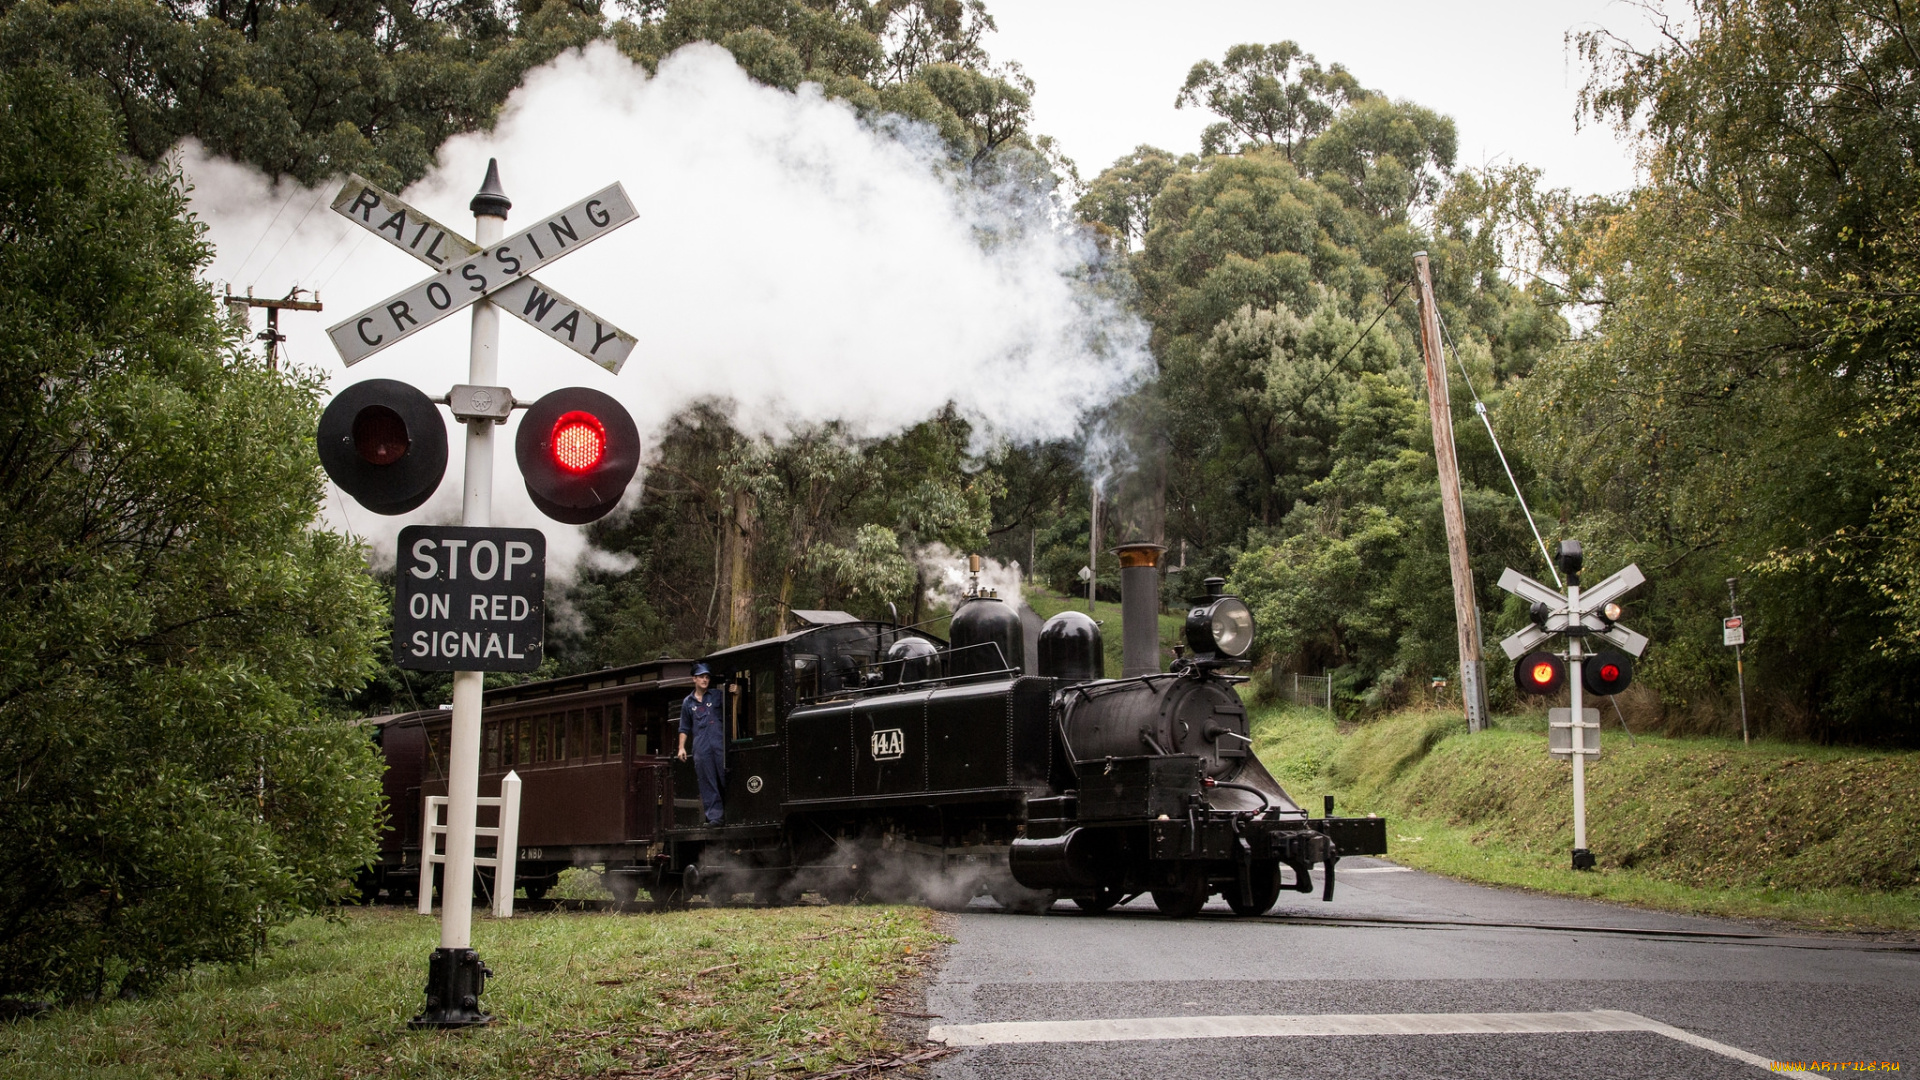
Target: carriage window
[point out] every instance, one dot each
(437, 750)
(642, 731)
(561, 721)
(596, 735)
(613, 734)
(524, 755)
(490, 748)
(765, 694)
(739, 706)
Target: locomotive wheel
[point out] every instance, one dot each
(1266, 890)
(666, 896)
(1100, 901)
(1185, 899)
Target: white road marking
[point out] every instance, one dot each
(1376, 870)
(1331, 1024)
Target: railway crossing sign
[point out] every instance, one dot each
(469, 599)
(1576, 615)
(1583, 609)
(502, 272)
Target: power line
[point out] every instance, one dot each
(1480, 407)
(318, 194)
(238, 270)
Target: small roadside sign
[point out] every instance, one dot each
(1733, 630)
(469, 599)
(1560, 733)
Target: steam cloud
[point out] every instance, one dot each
(947, 576)
(789, 257)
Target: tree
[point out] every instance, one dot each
(170, 614)
(1257, 101)
(305, 90)
(1741, 408)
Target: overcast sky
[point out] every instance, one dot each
(1106, 71)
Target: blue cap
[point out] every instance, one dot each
(701, 669)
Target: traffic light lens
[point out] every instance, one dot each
(1609, 672)
(1543, 674)
(379, 435)
(579, 441)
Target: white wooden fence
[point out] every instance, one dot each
(506, 845)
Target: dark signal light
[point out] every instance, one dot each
(1540, 673)
(577, 449)
(384, 443)
(1607, 673)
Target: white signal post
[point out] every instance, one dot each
(476, 510)
(1578, 615)
(1579, 730)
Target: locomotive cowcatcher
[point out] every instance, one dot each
(870, 759)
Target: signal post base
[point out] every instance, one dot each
(1582, 859)
(455, 979)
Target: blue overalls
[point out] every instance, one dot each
(704, 721)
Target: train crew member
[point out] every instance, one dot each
(703, 717)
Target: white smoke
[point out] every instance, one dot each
(948, 578)
(788, 257)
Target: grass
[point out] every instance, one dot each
(735, 992)
(1047, 603)
(1818, 837)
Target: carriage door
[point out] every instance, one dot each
(755, 774)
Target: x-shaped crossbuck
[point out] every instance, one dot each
(1563, 615)
(502, 273)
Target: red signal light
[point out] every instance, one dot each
(1608, 673)
(1540, 673)
(579, 441)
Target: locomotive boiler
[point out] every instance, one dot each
(870, 759)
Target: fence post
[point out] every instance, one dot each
(427, 816)
(1328, 675)
(506, 851)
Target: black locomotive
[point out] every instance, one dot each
(869, 759)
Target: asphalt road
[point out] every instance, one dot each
(1555, 987)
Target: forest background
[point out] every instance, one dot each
(1711, 375)
(1706, 375)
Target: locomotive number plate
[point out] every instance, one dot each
(889, 745)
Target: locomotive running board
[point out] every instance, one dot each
(911, 798)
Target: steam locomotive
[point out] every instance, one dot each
(871, 759)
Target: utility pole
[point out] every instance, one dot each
(1735, 632)
(272, 335)
(1473, 685)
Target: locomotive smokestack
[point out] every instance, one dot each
(1139, 609)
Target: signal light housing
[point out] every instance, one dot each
(384, 443)
(577, 449)
(1606, 673)
(1540, 673)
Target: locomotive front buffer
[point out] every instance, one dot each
(1159, 824)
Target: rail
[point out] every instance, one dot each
(506, 845)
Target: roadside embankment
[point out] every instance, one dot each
(1813, 835)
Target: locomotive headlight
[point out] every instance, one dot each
(1222, 628)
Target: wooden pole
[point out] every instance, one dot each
(271, 335)
(1466, 614)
